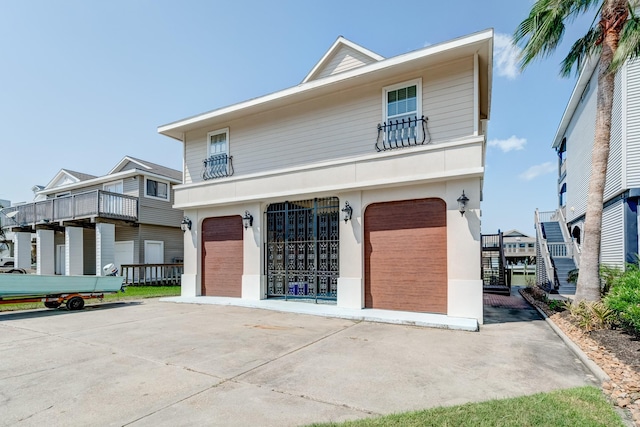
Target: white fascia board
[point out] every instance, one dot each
(123, 161)
(341, 41)
(109, 178)
(574, 100)
(175, 129)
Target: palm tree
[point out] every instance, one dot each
(614, 37)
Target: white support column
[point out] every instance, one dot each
(351, 282)
(105, 245)
(22, 250)
(73, 256)
(252, 284)
(45, 256)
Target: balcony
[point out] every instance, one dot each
(92, 204)
(217, 166)
(402, 133)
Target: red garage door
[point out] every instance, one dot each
(222, 257)
(406, 256)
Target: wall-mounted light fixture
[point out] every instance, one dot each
(247, 220)
(462, 203)
(348, 211)
(185, 224)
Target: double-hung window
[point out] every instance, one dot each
(218, 142)
(402, 107)
(218, 162)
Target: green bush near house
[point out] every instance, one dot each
(624, 299)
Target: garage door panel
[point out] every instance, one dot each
(222, 256)
(406, 256)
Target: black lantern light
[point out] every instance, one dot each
(247, 220)
(462, 203)
(348, 210)
(185, 224)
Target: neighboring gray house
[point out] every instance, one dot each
(83, 222)
(560, 232)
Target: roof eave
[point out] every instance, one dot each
(176, 129)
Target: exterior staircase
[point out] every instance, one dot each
(557, 254)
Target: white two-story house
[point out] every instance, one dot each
(574, 142)
(347, 187)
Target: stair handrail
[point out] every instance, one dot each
(573, 249)
(546, 257)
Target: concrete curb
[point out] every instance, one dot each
(590, 364)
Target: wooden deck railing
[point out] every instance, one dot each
(151, 274)
(96, 203)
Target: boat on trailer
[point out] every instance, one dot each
(53, 291)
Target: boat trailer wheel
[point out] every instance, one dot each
(75, 303)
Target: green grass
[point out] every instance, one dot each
(131, 292)
(584, 407)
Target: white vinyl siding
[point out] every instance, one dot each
(612, 249)
(344, 59)
(579, 134)
(614, 166)
(633, 124)
(339, 125)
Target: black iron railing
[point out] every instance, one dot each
(402, 133)
(217, 166)
(96, 203)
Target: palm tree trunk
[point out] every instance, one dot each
(613, 16)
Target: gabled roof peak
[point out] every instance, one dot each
(359, 56)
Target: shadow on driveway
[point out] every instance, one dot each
(508, 308)
(46, 312)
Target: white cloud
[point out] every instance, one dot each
(537, 170)
(505, 56)
(506, 145)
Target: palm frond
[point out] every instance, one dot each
(580, 51)
(629, 44)
(543, 29)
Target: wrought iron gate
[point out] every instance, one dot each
(302, 249)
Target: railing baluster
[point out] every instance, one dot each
(402, 133)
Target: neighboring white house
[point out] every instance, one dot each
(573, 143)
(345, 187)
(83, 222)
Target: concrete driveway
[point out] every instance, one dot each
(158, 363)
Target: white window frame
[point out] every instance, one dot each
(168, 199)
(385, 90)
(217, 132)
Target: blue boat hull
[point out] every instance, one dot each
(33, 285)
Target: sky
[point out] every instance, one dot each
(85, 83)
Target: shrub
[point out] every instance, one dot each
(592, 315)
(624, 299)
